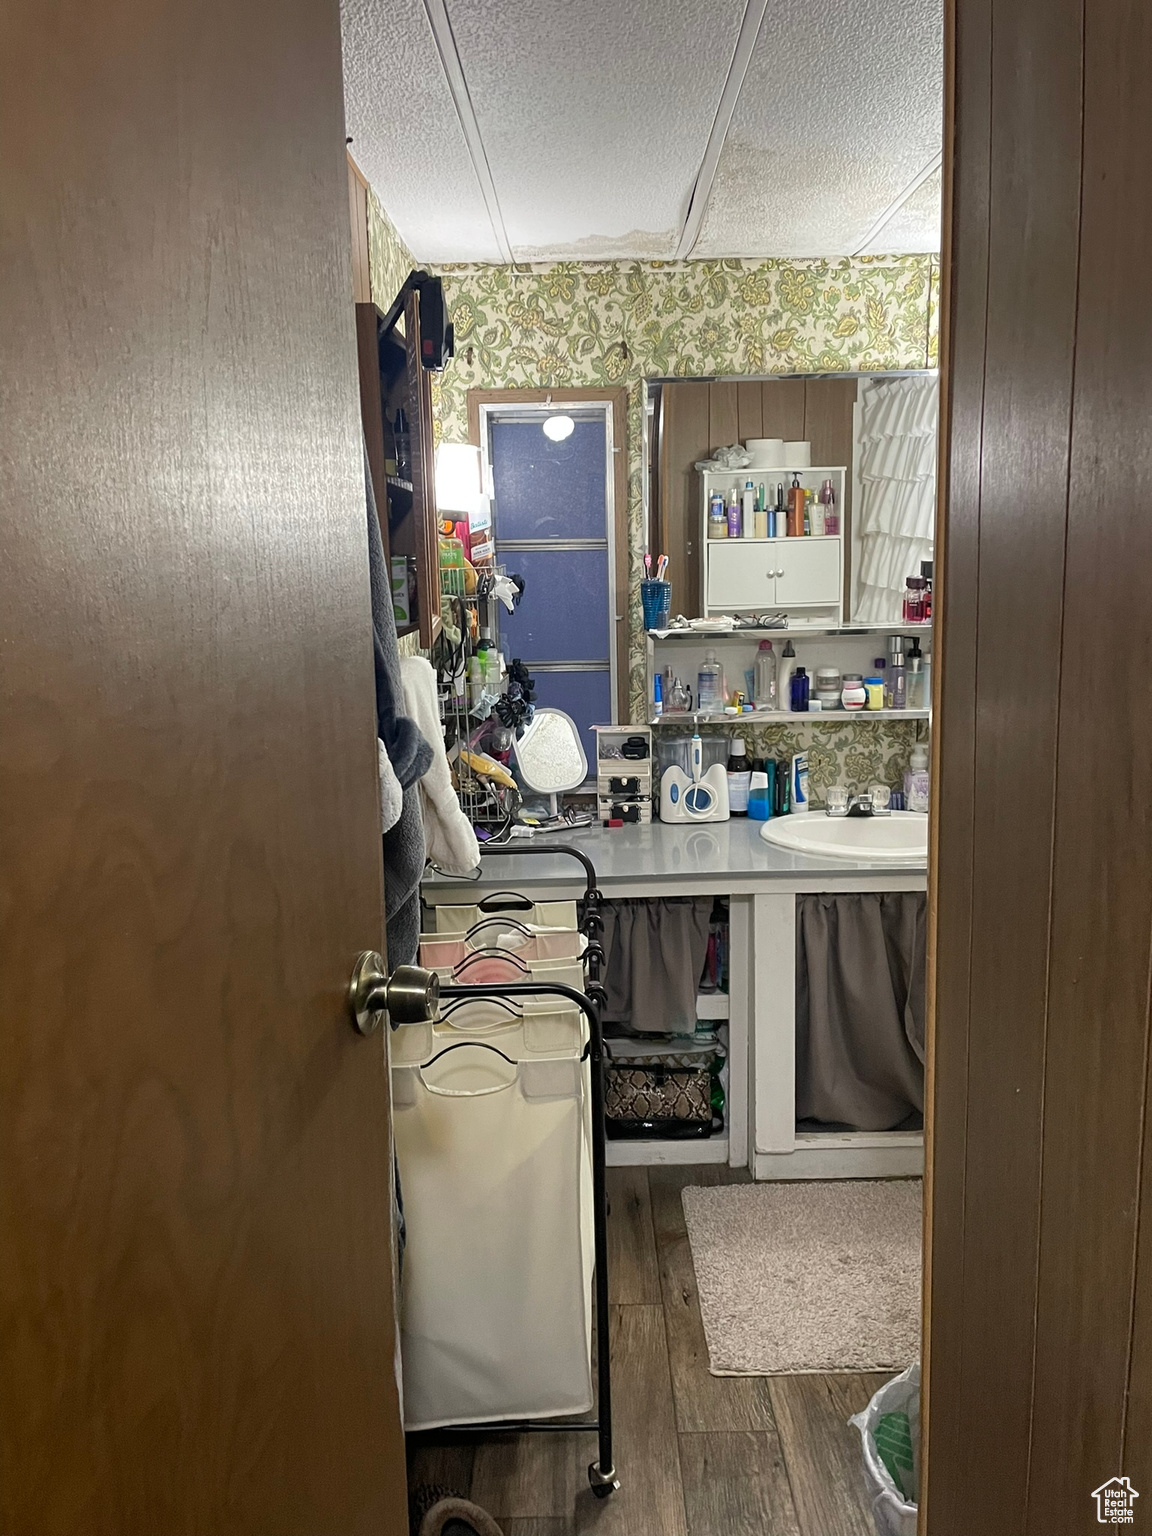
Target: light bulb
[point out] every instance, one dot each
(558, 427)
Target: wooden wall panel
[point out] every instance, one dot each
(750, 415)
(1042, 883)
(685, 437)
(723, 414)
(782, 405)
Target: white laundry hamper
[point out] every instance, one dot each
(495, 1166)
(544, 914)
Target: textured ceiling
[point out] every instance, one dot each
(840, 111)
(495, 130)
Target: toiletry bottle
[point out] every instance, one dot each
(807, 528)
(895, 680)
(799, 783)
(739, 778)
(709, 695)
(831, 511)
(760, 530)
(717, 517)
(926, 569)
(784, 675)
(759, 791)
(781, 513)
(475, 681)
(798, 691)
(494, 671)
(816, 511)
(796, 508)
(916, 784)
(748, 511)
(734, 516)
(764, 687)
(914, 677)
(657, 696)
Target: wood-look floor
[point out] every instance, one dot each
(697, 1455)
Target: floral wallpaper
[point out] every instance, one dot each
(852, 752)
(622, 322)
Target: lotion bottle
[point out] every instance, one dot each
(798, 780)
(784, 675)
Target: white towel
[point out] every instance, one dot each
(452, 844)
(391, 795)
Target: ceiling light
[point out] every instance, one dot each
(558, 427)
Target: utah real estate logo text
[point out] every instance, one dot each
(1114, 1500)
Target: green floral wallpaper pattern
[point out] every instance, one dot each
(622, 322)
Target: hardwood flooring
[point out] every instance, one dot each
(697, 1455)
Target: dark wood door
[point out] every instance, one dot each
(1039, 1354)
(196, 1318)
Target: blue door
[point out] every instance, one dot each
(551, 525)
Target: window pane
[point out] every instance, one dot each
(586, 696)
(547, 490)
(563, 615)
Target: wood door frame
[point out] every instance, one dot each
(617, 398)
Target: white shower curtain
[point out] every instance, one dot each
(896, 470)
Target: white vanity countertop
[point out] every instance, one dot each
(724, 857)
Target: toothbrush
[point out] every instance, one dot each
(697, 757)
(647, 565)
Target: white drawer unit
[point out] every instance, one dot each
(803, 577)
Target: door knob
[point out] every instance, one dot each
(410, 995)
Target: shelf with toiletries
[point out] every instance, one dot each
(822, 676)
(771, 541)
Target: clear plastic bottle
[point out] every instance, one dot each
(709, 687)
(764, 686)
(831, 510)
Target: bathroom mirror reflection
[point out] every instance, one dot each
(862, 446)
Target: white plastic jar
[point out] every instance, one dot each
(853, 694)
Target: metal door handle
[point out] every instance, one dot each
(410, 995)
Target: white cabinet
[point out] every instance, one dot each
(802, 577)
(755, 574)
(807, 572)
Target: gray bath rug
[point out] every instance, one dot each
(798, 1277)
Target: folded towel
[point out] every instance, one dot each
(448, 834)
(391, 794)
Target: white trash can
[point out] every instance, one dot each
(892, 1513)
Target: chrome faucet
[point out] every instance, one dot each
(860, 805)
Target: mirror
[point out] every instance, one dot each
(866, 441)
(550, 755)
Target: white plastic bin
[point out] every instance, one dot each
(892, 1515)
(496, 1309)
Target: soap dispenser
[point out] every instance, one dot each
(916, 781)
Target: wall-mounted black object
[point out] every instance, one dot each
(437, 334)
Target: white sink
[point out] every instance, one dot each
(899, 838)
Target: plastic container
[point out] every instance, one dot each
(739, 778)
(827, 685)
(709, 685)
(894, 1512)
(853, 695)
(764, 684)
(717, 517)
(762, 789)
(874, 691)
(656, 599)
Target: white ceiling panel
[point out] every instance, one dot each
(406, 134)
(534, 130)
(594, 116)
(914, 226)
(839, 114)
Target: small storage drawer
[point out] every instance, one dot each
(638, 812)
(626, 785)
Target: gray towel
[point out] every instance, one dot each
(408, 752)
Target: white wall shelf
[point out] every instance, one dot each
(770, 716)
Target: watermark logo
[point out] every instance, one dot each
(1114, 1501)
